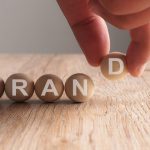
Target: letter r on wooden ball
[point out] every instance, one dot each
(79, 87)
(19, 87)
(49, 88)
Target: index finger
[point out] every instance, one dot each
(89, 29)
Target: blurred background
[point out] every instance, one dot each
(39, 26)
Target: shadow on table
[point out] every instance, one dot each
(15, 110)
(8, 104)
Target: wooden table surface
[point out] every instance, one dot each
(117, 117)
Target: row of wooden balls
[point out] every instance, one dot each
(19, 87)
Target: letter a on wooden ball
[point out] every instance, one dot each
(79, 87)
(113, 66)
(19, 87)
(49, 88)
(2, 86)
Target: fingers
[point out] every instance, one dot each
(92, 33)
(124, 7)
(125, 21)
(139, 50)
(89, 29)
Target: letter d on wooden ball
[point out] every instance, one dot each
(19, 87)
(113, 66)
(49, 88)
(79, 87)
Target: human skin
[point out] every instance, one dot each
(87, 20)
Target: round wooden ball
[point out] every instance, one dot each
(79, 87)
(2, 87)
(49, 88)
(19, 87)
(113, 66)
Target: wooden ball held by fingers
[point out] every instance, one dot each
(79, 87)
(49, 88)
(19, 87)
(2, 87)
(113, 66)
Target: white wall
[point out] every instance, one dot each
(39, 26)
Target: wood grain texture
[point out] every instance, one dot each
(117, 117)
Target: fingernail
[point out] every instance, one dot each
(140, 69)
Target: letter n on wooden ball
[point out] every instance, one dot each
(19, 87)
(49, 88)
(79, 87)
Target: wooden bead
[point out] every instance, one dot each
(79, 87)
(19, 87)
(2, 87)
(49, 88)
(113, 66)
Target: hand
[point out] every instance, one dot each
(86, 18)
